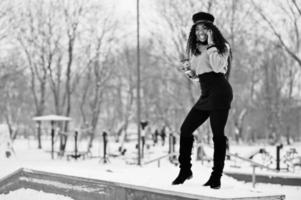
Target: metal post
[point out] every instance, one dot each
(173, 143)
(169, 143)
(75, 145)
(278, 147)
(52, 139)
(253, 176)
(138, 86)
(39, 134)
(104, 135)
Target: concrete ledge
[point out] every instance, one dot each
(92, 189)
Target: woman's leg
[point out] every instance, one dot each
(218, 120)
(192, 121)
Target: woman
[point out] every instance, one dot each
(209, 61)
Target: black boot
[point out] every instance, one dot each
(184, 174)
(218, 162)
(214, 181)
(184, 160)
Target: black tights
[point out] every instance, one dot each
(195, 118)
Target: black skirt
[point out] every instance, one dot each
(216, 92)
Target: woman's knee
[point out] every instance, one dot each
(185, 131)
(220, 139)
(218, 120)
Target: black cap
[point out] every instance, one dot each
(202, 17)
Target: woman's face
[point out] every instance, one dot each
(201, 32)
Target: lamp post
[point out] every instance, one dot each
(138, 85)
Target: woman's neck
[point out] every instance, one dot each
(203, 43)
(202, 47)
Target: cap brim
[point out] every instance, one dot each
(203, 21)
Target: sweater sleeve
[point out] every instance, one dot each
(218, 61)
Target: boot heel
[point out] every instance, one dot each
(216, 187)
(214, 181)
(182, 177)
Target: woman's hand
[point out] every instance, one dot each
(186, 65)
(210, 38)
(191, 74)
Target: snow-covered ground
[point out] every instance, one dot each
(28, 156)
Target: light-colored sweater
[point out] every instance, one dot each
(210, 61)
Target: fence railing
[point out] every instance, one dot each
(158, 160)
(253, 164)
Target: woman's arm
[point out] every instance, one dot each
(190, 73)
(217, 60)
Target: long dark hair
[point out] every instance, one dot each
(218, 39)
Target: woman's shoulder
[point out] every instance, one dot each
(228, 49)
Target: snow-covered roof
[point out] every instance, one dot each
(52, 118)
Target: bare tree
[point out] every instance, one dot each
(291, 19)
(99, 46)
(29, 28)
(13, 93)
(5, 17)
(73, 14)
(54, 54)
(100, 74)
(288, 37)
(129, 85)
